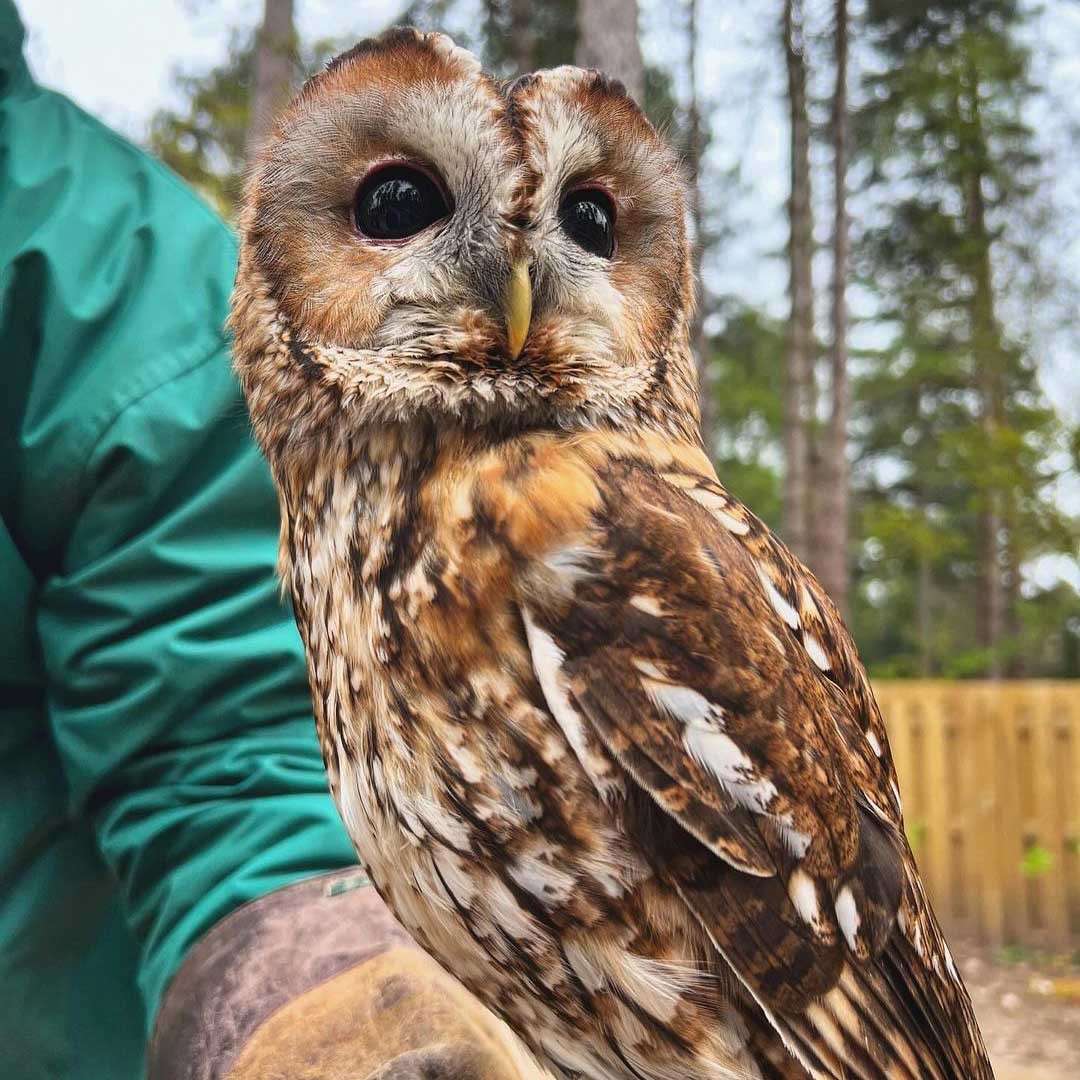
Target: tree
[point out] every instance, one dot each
(695, 153)
(206, 140)
(522, 38)
(518, 36)
(832, 511)
(747, 359)
(275, 63)
(800, 343)
(952, 406)
(608, 40)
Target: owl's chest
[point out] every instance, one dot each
(434, 729)
(412, 651)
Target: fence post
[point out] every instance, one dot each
(938, 826)
(990, 899)
(1050, 813)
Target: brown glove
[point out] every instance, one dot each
(317, 982)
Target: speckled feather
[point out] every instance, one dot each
(604, 745)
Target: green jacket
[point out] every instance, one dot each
(158, 762)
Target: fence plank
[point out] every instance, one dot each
(1068, 709)
(938, 826)
(986, 769)
(1010, 818)
(965, 807)
(1051, 811)
(893, 707)
(991, 890)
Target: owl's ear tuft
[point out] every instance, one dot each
(602, 92)
(606, 85)
(520, 84)
(401, 50)
(397, 37)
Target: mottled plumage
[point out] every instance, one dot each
(604, 745)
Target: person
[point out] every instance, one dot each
(170, 859)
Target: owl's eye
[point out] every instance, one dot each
(588, 218)
(397, 202)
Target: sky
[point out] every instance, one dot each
(117, 59)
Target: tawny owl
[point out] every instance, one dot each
(602, 742)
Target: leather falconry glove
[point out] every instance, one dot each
(318, 982)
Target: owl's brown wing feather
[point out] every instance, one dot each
(720, 678)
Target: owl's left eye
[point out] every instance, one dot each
(398, 202)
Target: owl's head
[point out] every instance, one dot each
(422, 241)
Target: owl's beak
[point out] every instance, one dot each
(518, 308)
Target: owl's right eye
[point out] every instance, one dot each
(587, 216)
(397, 202)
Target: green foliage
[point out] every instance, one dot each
(1036, 862)
(916, 835)
(1012, 954)
(548, 41)
(907, 26)
(746, 361)
(952, 171)
(552, 36)
(204, 140)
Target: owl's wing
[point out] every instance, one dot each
(756, 769)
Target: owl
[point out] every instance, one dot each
(603, 744)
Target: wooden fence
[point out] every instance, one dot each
(990, 779)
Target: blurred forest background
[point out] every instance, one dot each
(893, 426)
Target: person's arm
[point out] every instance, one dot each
(180, 706)
(177, 693)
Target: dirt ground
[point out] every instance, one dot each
(1029, 1010)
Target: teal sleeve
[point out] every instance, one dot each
(178, 697)
(173, 679)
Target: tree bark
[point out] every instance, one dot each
(833, 508)
(1015, 666)
(522, 42)
(991, 601)
(275, 55)
(800, 336)
(694, 155)
(608, 41)
(923, 598)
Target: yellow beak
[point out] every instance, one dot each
(518, 308)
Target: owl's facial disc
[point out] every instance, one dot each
(430, 241)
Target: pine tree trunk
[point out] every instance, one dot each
(274, 57)
(923, 599)
(1015, 666)
(522, 43)
(833, 510)
(608, 41)
(800, 337)
(987, 346)
(989, 613)
(694, 154)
